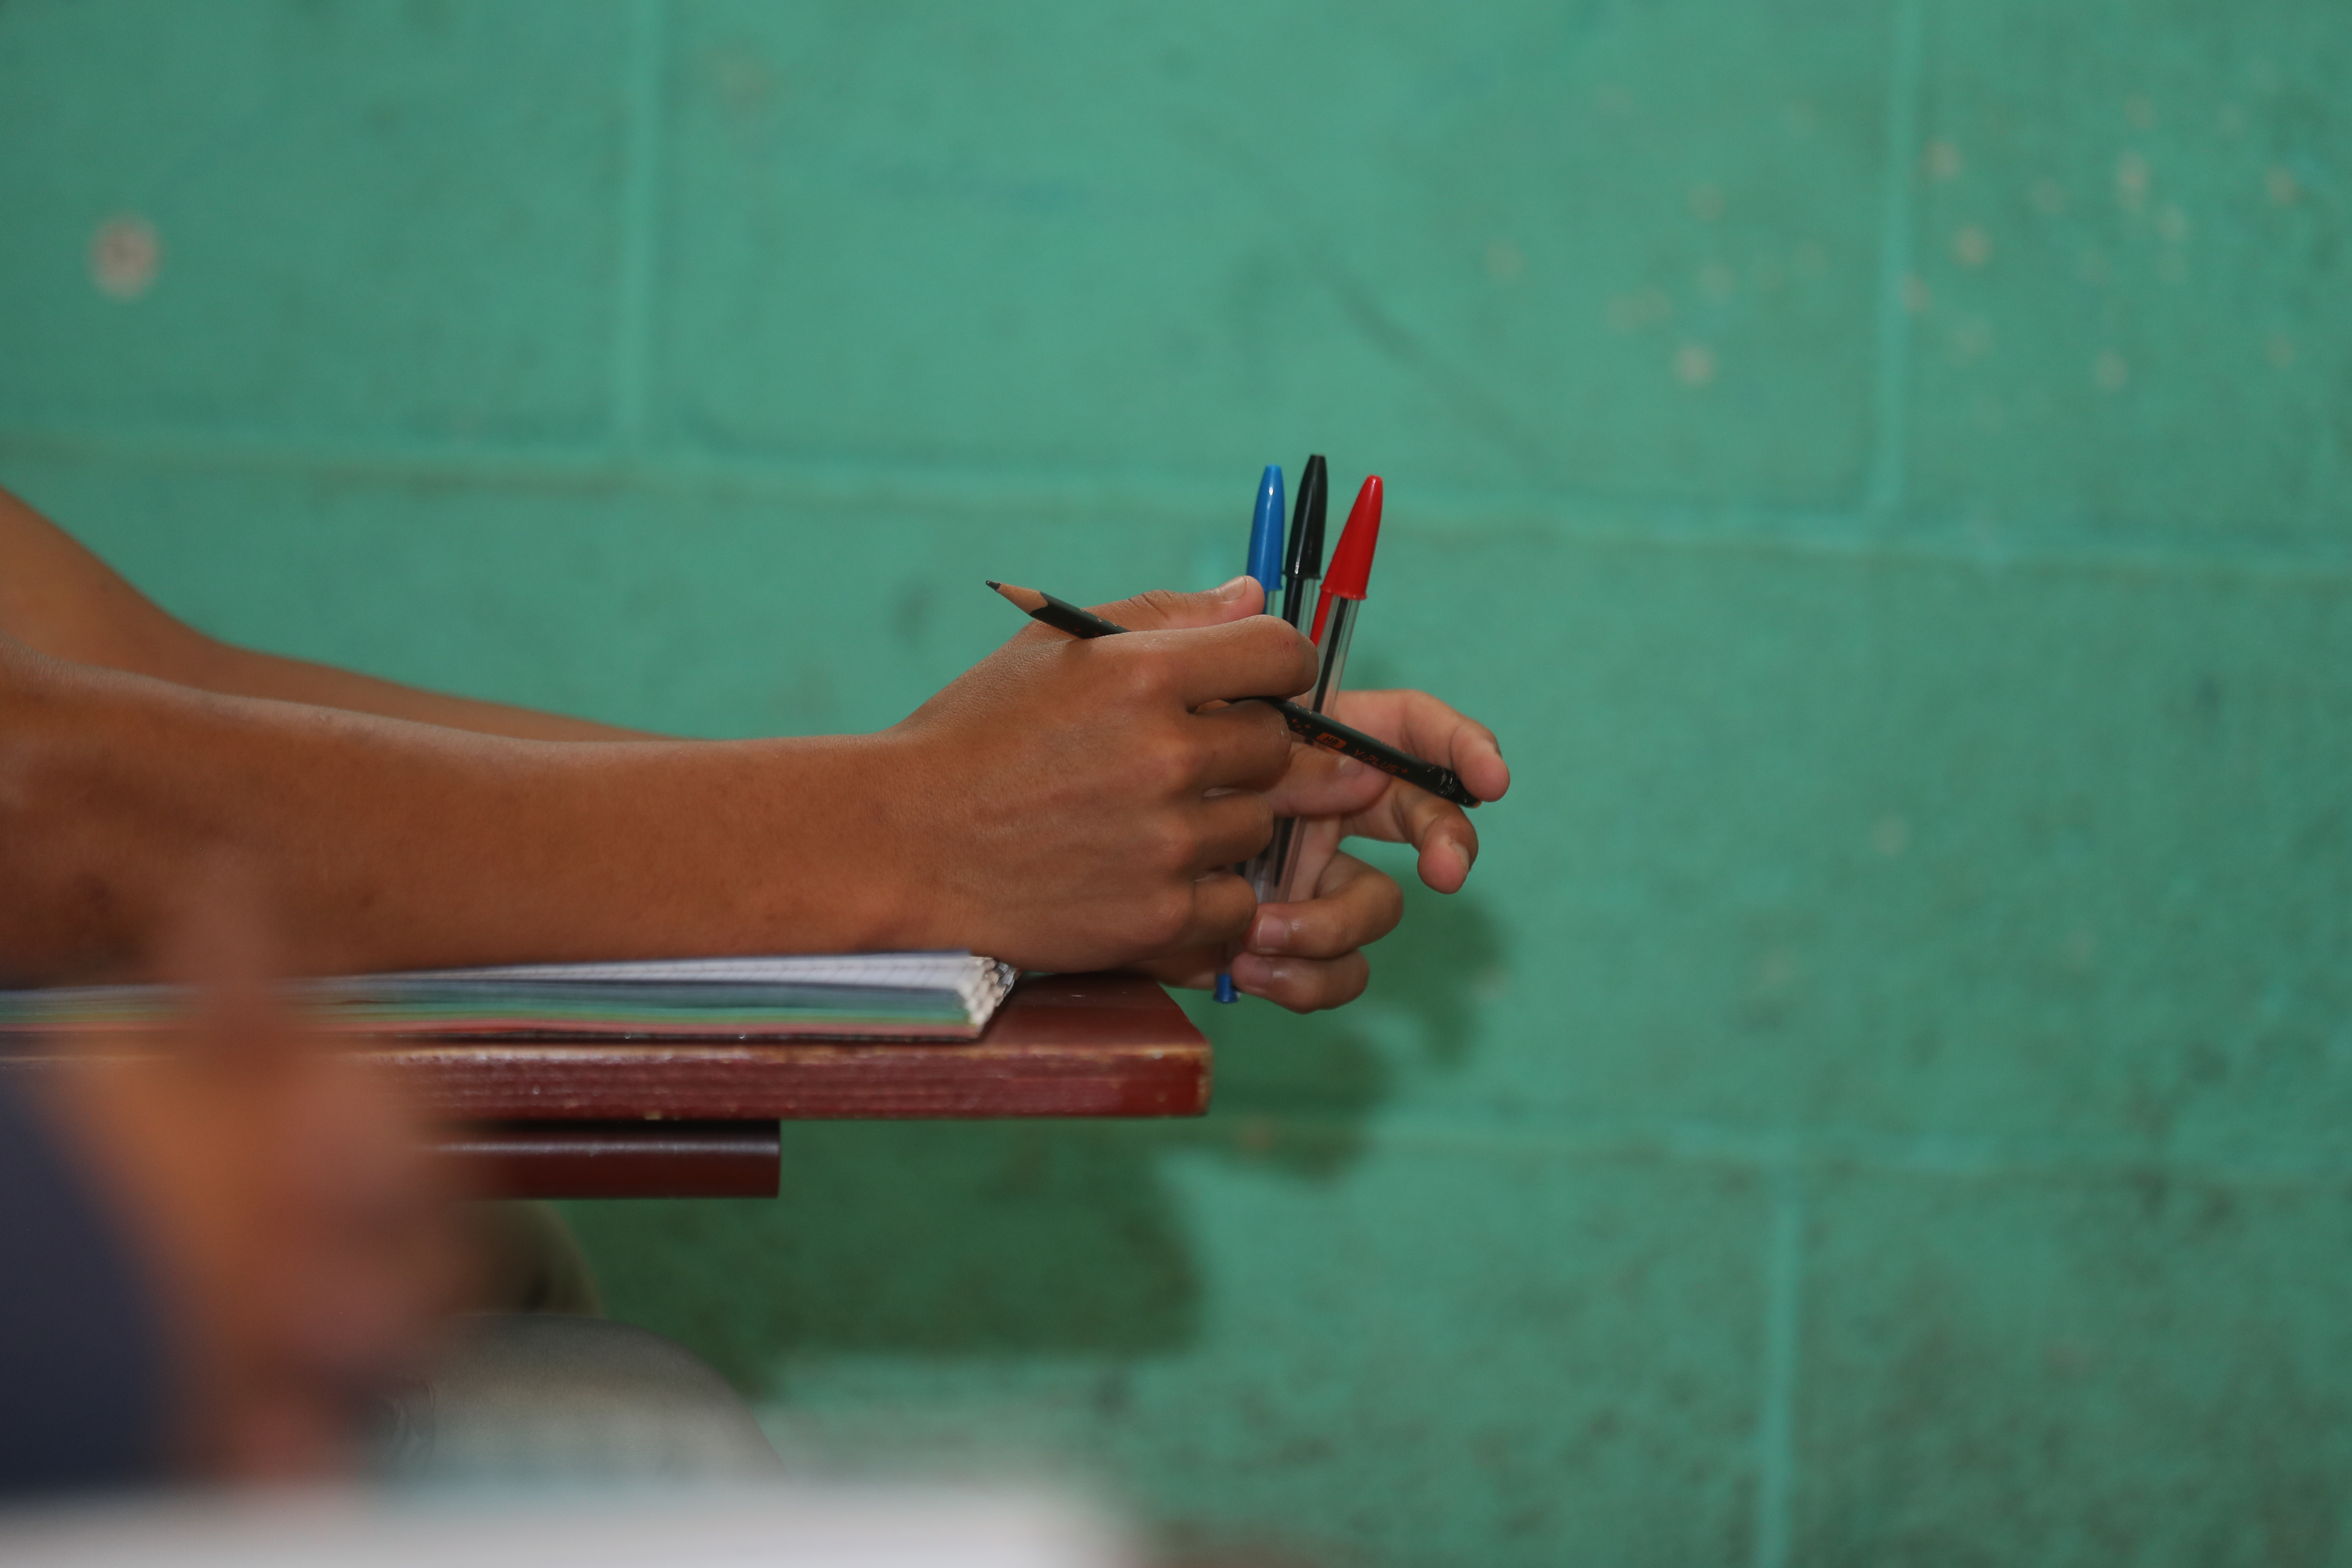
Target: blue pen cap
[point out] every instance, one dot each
(1265, 532)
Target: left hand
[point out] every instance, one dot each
(1307, 954)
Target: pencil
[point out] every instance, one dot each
(1315, 729)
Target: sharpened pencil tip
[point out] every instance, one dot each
(991, 582)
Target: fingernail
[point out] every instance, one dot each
(1271, 934)
(1232, 590)
(1252, 973)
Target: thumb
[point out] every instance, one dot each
(1162, 609)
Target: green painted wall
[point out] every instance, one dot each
(1882, 464)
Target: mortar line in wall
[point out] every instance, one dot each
(1882, 493)
(638, 218)
(1776, 1451)
(1632, 522)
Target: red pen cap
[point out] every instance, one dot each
(1351, 564)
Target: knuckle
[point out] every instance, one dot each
(1163, 604)
(1273, 636)
(1256, 813)
(1315, 984)
(1164, 917)
(1172, 847)
(1165, 763)
(1286, 651)
(1147, 676)
(1274, 735)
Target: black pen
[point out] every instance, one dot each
(1303, 573)
(1315, 729)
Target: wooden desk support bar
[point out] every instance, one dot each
(612, 1159)
(1062, 1044)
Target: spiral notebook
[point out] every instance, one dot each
(853, 996)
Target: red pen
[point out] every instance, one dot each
(1344, 587)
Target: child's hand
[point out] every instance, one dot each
(1351, 801)
(1306, 953)
(1079, 805)
(1314, 957)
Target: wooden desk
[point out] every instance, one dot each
(682, 1118)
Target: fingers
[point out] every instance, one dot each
(1314, 842)
(1163, 610)
(1324, 783)
(1308, 955)
(1353, 905)
(1305, 955)
(1449, 848)
(1259, 657)
(1222, 905)
(1236, 654)
(1397, 812)
(1371, 804)
(1441, 830)
(1245, 746)
(1303, 985)
(1230, 828)
(1430, 730)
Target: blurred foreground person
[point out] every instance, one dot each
(222, 1249)
(228, 1263)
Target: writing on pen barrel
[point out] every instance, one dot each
(1313, 727)
(1321, 730)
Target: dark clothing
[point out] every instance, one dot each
(83, 1371)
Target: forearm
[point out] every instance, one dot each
(382, 844)
(60, 599)
(227, 671)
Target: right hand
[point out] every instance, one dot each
(1076, 805)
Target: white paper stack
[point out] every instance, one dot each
(847, 997)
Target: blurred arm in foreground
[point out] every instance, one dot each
(223, 1245)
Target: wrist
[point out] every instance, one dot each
(842, 869)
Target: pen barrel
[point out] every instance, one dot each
(1332, 661)
(1265, 868)
(1330, 669)
(1299, 600)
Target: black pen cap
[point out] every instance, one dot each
(1307, 521)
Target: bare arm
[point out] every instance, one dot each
(1064, 806)
(61, 600)
(1063, 837)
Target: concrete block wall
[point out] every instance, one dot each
(1882, 464)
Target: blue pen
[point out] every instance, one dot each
(1266, 565)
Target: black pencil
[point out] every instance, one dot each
(1315, 729)
(1059, 613)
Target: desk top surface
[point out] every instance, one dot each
(1061, 1044)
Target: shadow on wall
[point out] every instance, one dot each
(1013, 1237)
